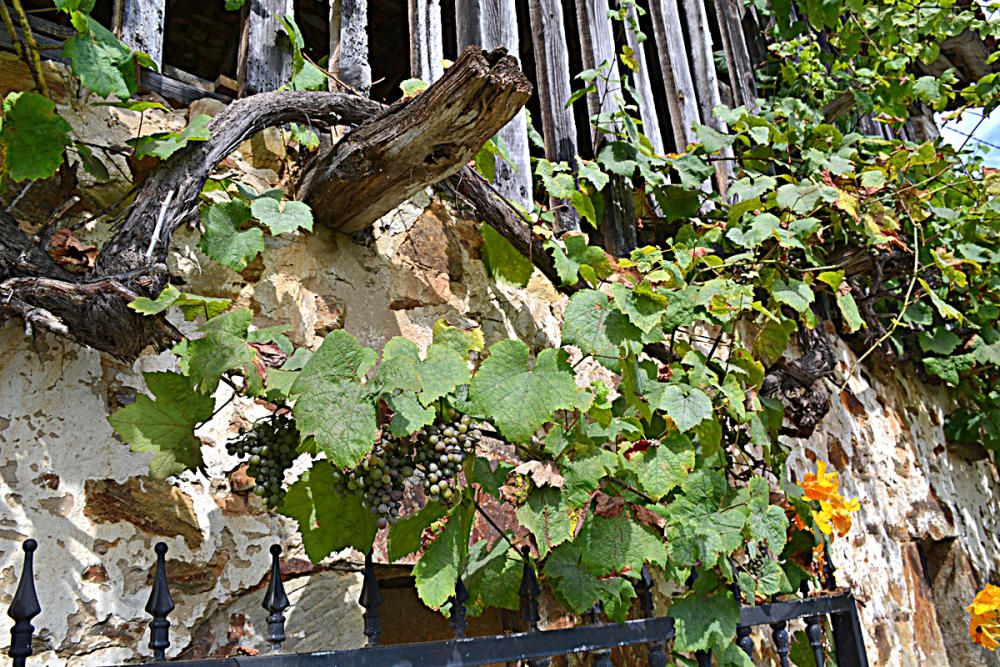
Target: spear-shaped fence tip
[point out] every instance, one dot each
(23, 608)
(275, 602)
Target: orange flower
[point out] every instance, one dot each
(984, 625)
(822, 485)
(836, 515)
(835, 511)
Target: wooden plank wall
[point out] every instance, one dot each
(682, 40)
(426, 42)
(552, 76)
(265, 63)
(143, 27)
(493, 24)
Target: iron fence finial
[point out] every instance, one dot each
(23, 608)
(370, 599)
(275, 602)
(159, 606)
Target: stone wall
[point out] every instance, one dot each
(924, 542)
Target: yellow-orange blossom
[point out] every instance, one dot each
(984, 626)
(835, 510)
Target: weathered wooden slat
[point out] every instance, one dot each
(266, 62)
(705, 77)
(426, 42)
(682, 98)
(492, 24)
(598, 46)
(741, 71)
(647, 108)
(548, 34)
(142, 27)
(598, 49)
(353, 67)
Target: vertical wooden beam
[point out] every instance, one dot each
(142, 27)
(426, 43)
(682, 98)
(647, 107)
(353, 67)
(707, 80)
(334, 59)
(598, 47)
(267, 61)
(741, 72)
(492, 24)
(548, 34)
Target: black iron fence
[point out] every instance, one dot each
(535, 647)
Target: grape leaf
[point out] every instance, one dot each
(518, 398)
(410, 416)
(164, 144)
(616, 545)
(462, 341)
(192, 305)
(493, 577)
(794, 293)
(585, 324)
(573, 253)
(643, 309)
(438, 568)
(503, 261)
(582, 475)
(32, 137)
(165, 424)
(941, 342)
(405, 534)
(102, 62)
(328, 520)
(704, 621)
(441, 371)
(664, 466)
(280, 219)
(223, 347)
(332, 406)
(580, 590)
(224, 242)
(546, 516)
(687, 406)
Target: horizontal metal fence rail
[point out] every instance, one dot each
(535, 646)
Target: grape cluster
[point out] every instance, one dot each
(271, 445)
(438, 452)
(431, 458)
(379, 478)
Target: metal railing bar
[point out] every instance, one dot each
(775, 612)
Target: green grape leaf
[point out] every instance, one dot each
(441, 371)
(146, 306)
(165, 424)
(191, 305)
(546, 516)
(503, 261)
(224, 242)
(711, 139)
(687, 406)
(794, 293)
(849, 311)
(517, 397)
(664, 466)
(941, 342)
(282, 219)
(582, 475)
(223, 347)
(585, 324)
(409, 415)
(32, 137)
(644, 309)
(328, 520)
(101, 62)
(614, 545)
(233, 5)
(493, 577)
(701, 621)
(579, 589)
(405, 534)
(592, 172)
(948, 368)
(332, 406)
(164, 144)
(462, 341)
(438, 568)
(572, 254)
(619, 158)
(491, 475)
